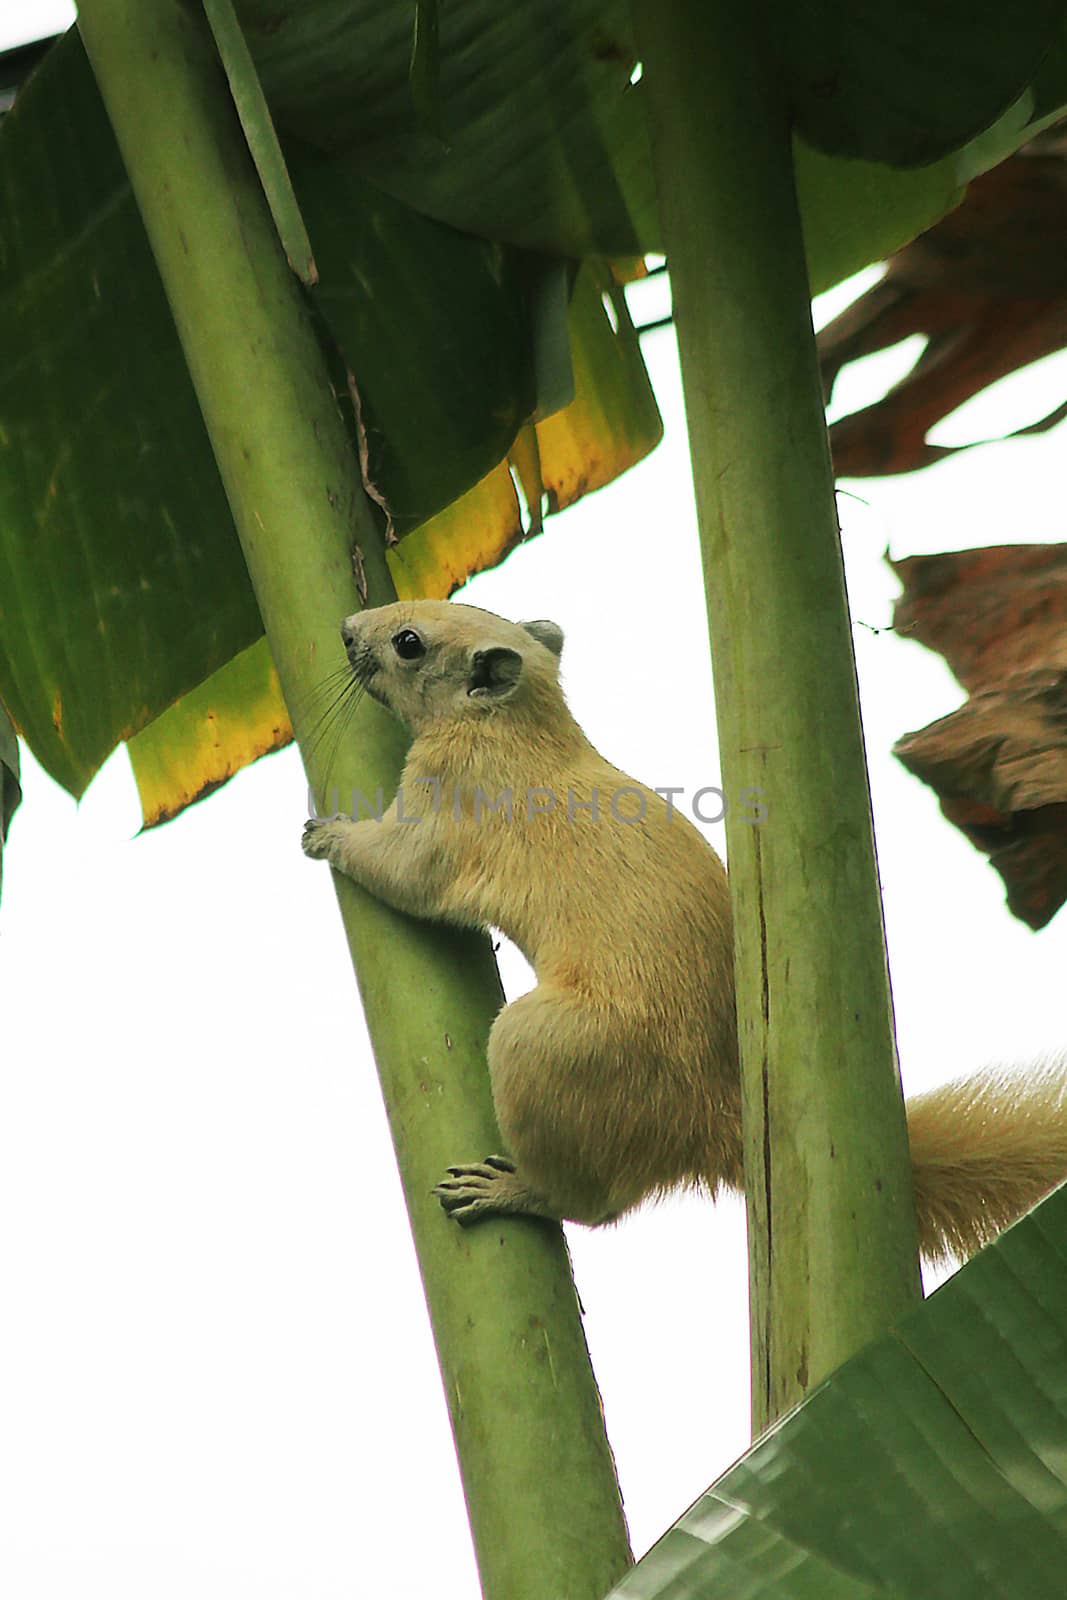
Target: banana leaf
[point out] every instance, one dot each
(932, 1466)
(425, 191)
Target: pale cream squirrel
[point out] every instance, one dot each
(617, 1076)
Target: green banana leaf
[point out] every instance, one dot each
(542, 135)
(122, 585)
(238, 713)
(910, 82)
(425, 184)
(933, 1466)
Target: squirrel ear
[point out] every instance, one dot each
(550, 634)
(494, 673)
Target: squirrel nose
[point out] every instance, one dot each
(348, 632)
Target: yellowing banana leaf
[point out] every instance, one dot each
(613, 420)
(475, 532)
(121, 583)
(237, 715)
(611, 423)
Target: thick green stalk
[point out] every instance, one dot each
(831, 1214)
(537, 1470)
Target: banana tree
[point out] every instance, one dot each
(380, 430)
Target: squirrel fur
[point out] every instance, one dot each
(617, 1077)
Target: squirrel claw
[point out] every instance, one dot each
(312, 840)
(482, 1169)
(491, 1187)
(319, 835)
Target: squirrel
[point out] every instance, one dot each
(617, 1077)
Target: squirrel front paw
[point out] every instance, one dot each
(321, 837)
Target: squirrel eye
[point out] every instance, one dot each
(408, 645)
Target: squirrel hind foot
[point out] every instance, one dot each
(493, 1187)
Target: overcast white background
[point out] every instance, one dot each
(216, 1375)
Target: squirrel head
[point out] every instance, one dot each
(430, 662)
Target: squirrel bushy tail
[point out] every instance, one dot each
(984, 1150)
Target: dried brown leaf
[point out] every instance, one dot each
(986, 286)
(999, 763)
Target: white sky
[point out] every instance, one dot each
(215, 1371)
(24, 20)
